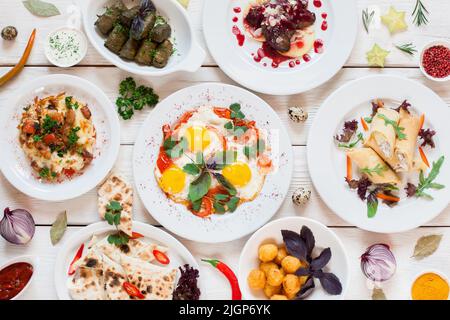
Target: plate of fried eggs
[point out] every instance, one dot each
(212, 163)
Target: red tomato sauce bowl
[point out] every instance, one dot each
(16, 276)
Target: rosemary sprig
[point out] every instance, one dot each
(408, 48)
(420, 14)
(367, 18)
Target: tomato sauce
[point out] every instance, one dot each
(13, 279)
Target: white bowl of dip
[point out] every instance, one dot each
(65, 47)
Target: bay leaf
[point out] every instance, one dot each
(41, 8)
(426, 246)
(378, 294)
(58, 228)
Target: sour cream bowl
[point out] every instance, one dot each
(65, 47)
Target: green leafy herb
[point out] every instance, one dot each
(37, 138)
(408, 48)
(235, 130)
(378, 169)
(420, 14)
(113, 213)
(398, 130)
(175, 148)
(255, 150)
(351, 145)
(73, 136)
(71, 105)
(133, 98)
(48, 125)
(45, 173)
(426, 246)
(199, 187)
(58, 228)
(191, 168)
(236, 112)
(368, 119)
(233, 203)
(118, 238)
(41, 8)
(367, 18)
(221, 159)
(428, 182)
(372, 204)
(225, 183)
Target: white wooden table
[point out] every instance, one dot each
(82, 211)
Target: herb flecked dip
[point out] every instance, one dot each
(65, 47)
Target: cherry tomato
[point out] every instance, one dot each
(49, 138)
(132, 290)
(136, 235)
(28, 127)
(161, 257)
(205, 209)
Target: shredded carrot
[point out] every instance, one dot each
(386, 197)
(349, 169)
(424, 157)
(422, 120)
(364, 124)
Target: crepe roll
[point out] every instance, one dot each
(106, 21)
(382, 136)
(117, 38)
(405, 148)
(371, 164)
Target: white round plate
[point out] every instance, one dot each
(177, 252)
(271, 233)
(218, 228)
(239, 64)
(16, 166)
(327, 164)
(189, 55)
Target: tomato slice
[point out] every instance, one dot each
(163, 162)
(136, 235)
(205, 209)
(264, 164)
(132, 290)
(69, 172)
(166, 131)
(77, 257)
(161, 257)
(184, 118)
(49, 138)
(29, 127)
(223, 112)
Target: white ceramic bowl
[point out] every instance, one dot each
(83, 47)
(439, 273)
(189, 55)
(15, 165)
(177, 252)
(271, 233)
(427, 46)
(33, 260)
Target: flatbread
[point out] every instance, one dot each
(115, 188)
(87, 284)
(114, 277)
(154, 282)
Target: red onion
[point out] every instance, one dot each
(17, 226)
(378, 263)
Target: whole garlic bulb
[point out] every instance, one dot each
(297, 114)
(301, 196)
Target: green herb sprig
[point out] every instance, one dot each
(398, 130)
(236, 114)
(112, 216)
(378, 169)
(351, 145)
(428, 182)
(408, 48)
(367, 18)
(420, 14)
(133, 97)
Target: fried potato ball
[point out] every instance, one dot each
(266, 266)
(275, 277)
(290, 264)
(290, 296)
(269, 290)
(291, 284)
(268, 252)
(278, 297)
(282, 253)
(256, 279)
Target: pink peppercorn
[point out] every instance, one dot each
(436, 61)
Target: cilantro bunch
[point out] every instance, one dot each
(133, 97)
(112, 216)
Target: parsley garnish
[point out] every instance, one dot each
(133, 98)
(45, 173)
(71, 105)
(73, 137)
(49, 124)
(112, 216)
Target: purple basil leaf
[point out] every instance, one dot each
(321, 261)
(308, 237)
(295, 245)
(306, 289)
(301, 272)
(330, 283)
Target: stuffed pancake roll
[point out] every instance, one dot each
(129, 50)
(146, 53)
(382, 135)
(161, 32)
(162, 55)
(405, 148)
(106, 21)
(127, 16)
(371, 164)
(117, 38)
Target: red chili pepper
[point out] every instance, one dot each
(77, 257)
(161, 257)
(229, 274)
(132, 290)
(136, 235)
(163, 162)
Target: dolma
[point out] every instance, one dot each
(130, 49)
(106, 21)
(162, 55)
(127, 16)
(161, 32)
(117, 38)
(146, 53)
(144, 21)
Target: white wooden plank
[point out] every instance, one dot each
(437, 29)
(82, 210)
(216, 286)
(108, 80)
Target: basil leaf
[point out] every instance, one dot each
(228, 125)
(219, 208)
(199, 187)
(295, 245)
(191, 169)
(225, 183)
(41, 8)
(220, 196)
(372, 207)
(235, 107)
(196, 205)
(240, 130)
(232, 204)
(58, 228)
(175, 149)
